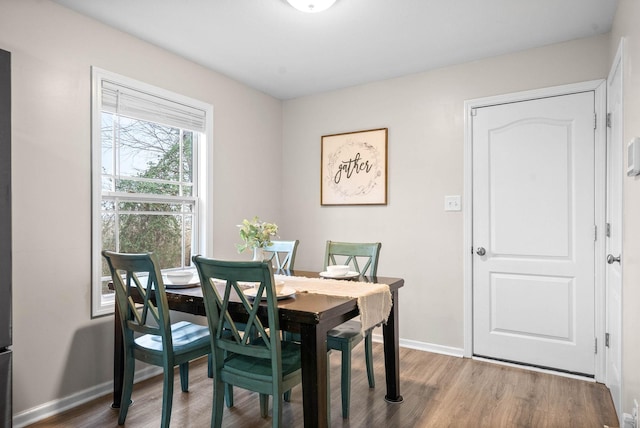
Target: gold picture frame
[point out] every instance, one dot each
(353, 168)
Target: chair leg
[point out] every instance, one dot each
(228, 394)
(276, 418)
(210, 366)
(127, 388)
(368, 353)
(167, 397)
(287, 335)
(329, 386)
(217, 408)
(264, 405)
(345, 381)
(184, 377)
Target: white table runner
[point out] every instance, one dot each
(374, 300)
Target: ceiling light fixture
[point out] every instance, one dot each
(311, 6)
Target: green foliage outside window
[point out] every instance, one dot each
(151, 159)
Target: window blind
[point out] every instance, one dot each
(141, 105)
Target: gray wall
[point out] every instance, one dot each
(58, 349)
(424, 113)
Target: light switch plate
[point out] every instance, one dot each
(452, 203)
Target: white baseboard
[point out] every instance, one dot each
(54, 407)
(423, 346)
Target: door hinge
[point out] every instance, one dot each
(474, 111)
(595, 120)
(606, 340)
(595, 351)
(595, 232)
(607, 230)
(608, 120)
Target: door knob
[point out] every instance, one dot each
(481, 251)
(611, 259)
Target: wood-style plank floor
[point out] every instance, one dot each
(438, 391)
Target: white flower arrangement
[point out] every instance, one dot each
(256, 234)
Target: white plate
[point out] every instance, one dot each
(194, 283)
(284, 294)
(348, 275)
(180, 277)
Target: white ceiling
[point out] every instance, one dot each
(274, 48)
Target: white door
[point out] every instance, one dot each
(615, 168)
(534, 232)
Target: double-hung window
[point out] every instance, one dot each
(150, 151)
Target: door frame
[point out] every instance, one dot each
(617, 64)
(600, 134)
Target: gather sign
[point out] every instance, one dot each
(354, 168)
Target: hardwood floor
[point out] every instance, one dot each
(438, 391)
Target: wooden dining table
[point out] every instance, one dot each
(312, 316)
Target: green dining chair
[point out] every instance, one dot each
(362, 258)
(282, 254)
(261, 362)
(148, 333)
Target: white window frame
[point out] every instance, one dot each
(203, 168)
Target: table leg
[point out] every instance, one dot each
(118, 360)
(314, 376)
(392, 352)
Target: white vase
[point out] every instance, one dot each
(258, 254)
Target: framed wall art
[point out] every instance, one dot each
(353, 168)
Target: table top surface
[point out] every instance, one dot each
(305, 307)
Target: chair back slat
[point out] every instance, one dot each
(263, 342)
(129, 272)
(228, 323)
(239, 342)
(352, 254)
(282, 254)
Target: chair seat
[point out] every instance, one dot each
(186, 337)
(259, 368)
(348, 331)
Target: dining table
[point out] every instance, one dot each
(311, 315)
